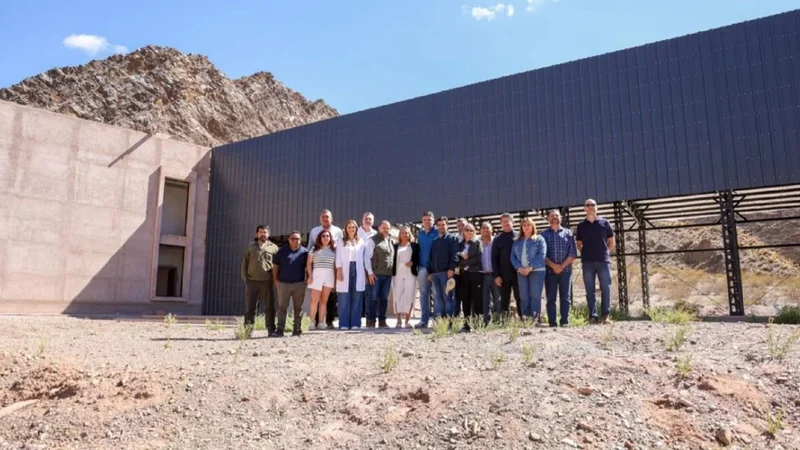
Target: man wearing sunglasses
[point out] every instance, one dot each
(289, 273)
(595, 241)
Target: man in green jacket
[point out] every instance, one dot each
(257, 277)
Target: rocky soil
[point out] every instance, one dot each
(161, 90)
(109, 384)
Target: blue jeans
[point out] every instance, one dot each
(442, 303)
(530, 292)
(491, 298)
(350, 302)
(376, 307)
(424, 295)
(560, 282)
(603, 271)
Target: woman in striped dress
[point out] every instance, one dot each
(321, 277)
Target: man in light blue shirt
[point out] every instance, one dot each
(425, 237)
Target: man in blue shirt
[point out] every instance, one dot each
(289, 275)
(560, 254)
(441, 267)
(595, 240)
(425, 238)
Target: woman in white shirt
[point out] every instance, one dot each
(404, 272)
(350, 276)
(321, 261)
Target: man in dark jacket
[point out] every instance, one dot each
(504, 274)
(257, 277)
(441, 266)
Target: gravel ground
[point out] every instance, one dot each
(124, 384)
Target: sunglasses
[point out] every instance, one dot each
(590, 205)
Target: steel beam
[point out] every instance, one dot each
(730, 242)
(622, 270)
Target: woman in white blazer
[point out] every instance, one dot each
(350, 277)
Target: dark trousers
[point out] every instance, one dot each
(294, 292)
(456, 295)
(558, 284)
(333, 308)
(510, 283)
(264, 290)
(471, 294)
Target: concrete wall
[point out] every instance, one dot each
(81, 213)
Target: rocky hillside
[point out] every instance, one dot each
(161, 90)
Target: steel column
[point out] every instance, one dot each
(643, 262)
(622, 270)
(730, 244)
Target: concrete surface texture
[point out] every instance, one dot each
(80, 221)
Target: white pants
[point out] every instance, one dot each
(404, 288)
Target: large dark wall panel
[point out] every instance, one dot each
(710, 111)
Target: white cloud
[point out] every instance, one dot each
(510, 10)
(89, 43)
(92, 44)
(488, 13)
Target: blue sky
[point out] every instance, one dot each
(361, 53)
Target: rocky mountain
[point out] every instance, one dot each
(161, 90)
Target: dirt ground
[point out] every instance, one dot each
(123, 384)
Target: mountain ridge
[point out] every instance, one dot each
(157, 89)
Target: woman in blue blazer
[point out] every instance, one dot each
(527, 257)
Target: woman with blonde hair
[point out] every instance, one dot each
(528, 258)
(404, 276)
(321, 279)
(350, 276)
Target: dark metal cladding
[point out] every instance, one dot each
(711, 111)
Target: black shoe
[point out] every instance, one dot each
(330, 326)
(271, 333)
(277, 334)
(565, 325)
(421, 326)
(465, 330)
(297, 333)
(593, 321)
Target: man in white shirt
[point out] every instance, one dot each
(365, 232)
(325, 223)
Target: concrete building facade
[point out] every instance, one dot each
(97, 219)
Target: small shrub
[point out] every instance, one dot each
(684, 366)
(527, 354)
(476, 324)
(788, 315)
(513, 330)
(676, 339)
(774, 423)
(440, 328)
(390, 359)
(777, 345)
(608, 336)
(670, 315)
(618, 315)
(497, 361)
(579, 315)
(288, 327)
(242, 331)
(216, 325)
(169, 321)
(458, 324)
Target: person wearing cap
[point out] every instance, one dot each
(528, 256)
(441, 266)
(256, 272)
(595, 240)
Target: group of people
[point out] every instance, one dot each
(350, 272)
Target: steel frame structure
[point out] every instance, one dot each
(723, 209)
